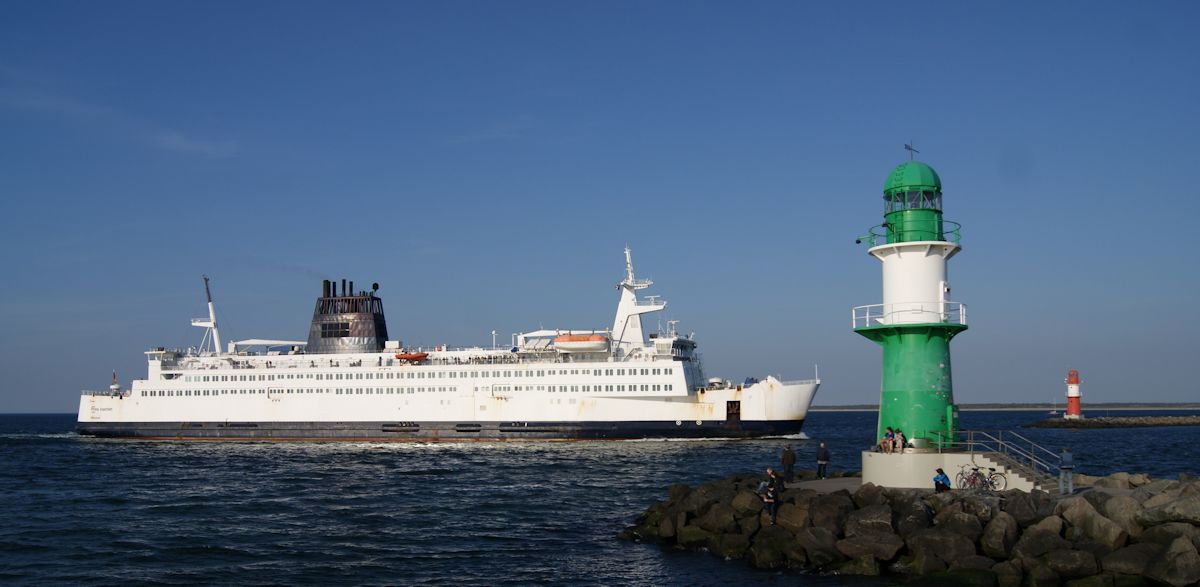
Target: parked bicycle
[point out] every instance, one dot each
(976, 479)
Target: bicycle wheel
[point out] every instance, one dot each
(961, 480)
(997, 481)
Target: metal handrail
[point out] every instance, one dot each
(1023, 451)
(878, 234)
(884, 314)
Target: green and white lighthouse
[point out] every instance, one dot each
(916, 320)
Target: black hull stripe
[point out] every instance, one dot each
(434, 431)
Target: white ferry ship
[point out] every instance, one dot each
(348, 381)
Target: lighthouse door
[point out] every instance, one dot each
(733, 415)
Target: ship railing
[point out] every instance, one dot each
(908, 313)
(649, 302)
(104, 393)
(801, 382)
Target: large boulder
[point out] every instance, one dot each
(701, 498)
(999, 536)
(1020, 506)
(830, 511)
(910, 515)
(693, 537)
(1041, 575)
(1153, 488)
(792, 517)
(1008, 573)
(1080, 513)
(1131, 560)
(729, 546)
(747, 503)
(718, 519)
(1050, 524)
(983, 507)
(666, 527)
(1123, 510)
(820, 544)
(872, 519)
(1179, 565)
(862, 565)
(1114, 481)
(881, 546)
(945, 545)
(869, 494)
(1033, 544)
(1182, 509)
(1165, 534)
(749, 524)
(769, 548)
(960, 523)
(1071, 564)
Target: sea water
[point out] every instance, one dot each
(109, 512)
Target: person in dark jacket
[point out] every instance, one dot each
(771, 495)
(822, 459)
(941, 482)
(788, 460)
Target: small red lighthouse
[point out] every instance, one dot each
(1074, 408)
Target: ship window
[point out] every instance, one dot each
(335, 329)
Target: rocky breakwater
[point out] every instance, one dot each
(1124, 530)
(1118, 422)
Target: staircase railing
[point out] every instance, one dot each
(1040, 460)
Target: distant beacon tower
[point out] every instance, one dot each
(1074, 397)
(347, 323)
(916, 320)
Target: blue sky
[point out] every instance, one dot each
(486, 162)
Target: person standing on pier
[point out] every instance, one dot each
(1066, 470)
(772, 492)
(822, 459)
(788, 460)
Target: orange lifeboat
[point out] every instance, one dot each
(581, 343)
(412, 357)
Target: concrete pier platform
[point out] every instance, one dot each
(850, 484)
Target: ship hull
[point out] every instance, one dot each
(436, 431)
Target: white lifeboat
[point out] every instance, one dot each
(581, 343)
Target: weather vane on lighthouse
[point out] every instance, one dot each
(912, 151)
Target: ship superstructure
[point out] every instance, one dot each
(349, 381)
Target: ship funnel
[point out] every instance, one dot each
(346, 326)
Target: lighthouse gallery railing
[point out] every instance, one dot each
(908, 313)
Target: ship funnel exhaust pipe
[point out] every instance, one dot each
(351, 288)
(343, 287)
(324, 288)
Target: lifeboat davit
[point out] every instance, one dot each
(412, 357)
(581, 343)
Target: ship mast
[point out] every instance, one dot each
(211, 323)
(627, 326)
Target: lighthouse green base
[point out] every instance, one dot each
(918, 396)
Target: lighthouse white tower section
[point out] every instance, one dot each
(1074, 397)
